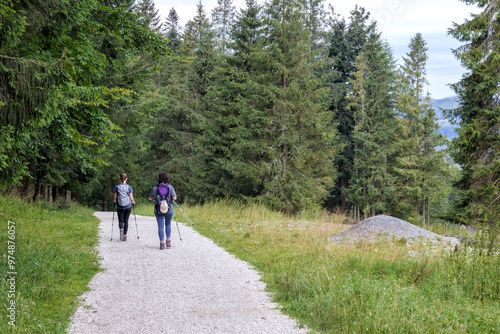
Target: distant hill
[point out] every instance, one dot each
(444, 103)
(445, 128)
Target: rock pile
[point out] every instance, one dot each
(388, 228)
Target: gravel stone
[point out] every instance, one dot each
(193, 287)
(387, 228)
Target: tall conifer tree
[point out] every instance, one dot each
(222, 20)
(477, 148)
(148, 14)
(372, 189)
(299, 133)
(237, 111)
(179, 124)
(420, 164)
(346, 42)
(172, 30)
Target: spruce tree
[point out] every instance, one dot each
(371, 190)
(222, 19)
(346, 40)
(172, 30)
(148, 15)
(299, 133)
(237, 111)
(315, 22)
(477, 147)
(179, 123)
(421, 166)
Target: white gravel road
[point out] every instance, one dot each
(193, 287)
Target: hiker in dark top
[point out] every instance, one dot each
(123, 200)
(163, 212)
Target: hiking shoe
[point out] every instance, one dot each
(168, 244)
(162, 246)
(124, 237)
(121, 234)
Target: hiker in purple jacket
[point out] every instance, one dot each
(163, 193)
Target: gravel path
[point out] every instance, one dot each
(194, 287)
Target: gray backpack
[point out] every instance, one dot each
(123, 195)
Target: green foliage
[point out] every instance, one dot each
(478, 144)
(346, 40)
(372, 189)
(376, 288)
(299, 135)
(421, 166)
(235, 135)
(51, 269)
(222, 17)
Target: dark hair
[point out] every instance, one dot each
(163, 178)
(123, 176)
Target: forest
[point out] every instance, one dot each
(285, 103)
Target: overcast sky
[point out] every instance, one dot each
(398, 20)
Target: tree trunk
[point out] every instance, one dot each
(56, 194)
(104, 200)
(428, 211)
(423, 211)
(68, 198)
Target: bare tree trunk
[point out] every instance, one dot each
(423, 211)
(428, 210)
(56, 194)
(68, 198)
(50, 193)
(104, 200)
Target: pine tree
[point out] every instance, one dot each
(346, 40)
(236, 108)
(300, 132)
(179, 123)
(477, 147)
(222, 19)
(315, 22)
(420, 164)
(148, 14)
(372, 189)
(172, 30)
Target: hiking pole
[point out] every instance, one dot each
(135, 218)
(113, 221)
(176, 223)
(183, 213)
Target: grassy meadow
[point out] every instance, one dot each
(53, 257)
(364, 288)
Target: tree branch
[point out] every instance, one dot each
(36, 62)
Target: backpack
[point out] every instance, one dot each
(161, 198)
(123, 195)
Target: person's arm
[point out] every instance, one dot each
(173, 194)
(151, 194)
(114, 197)
(132, 198)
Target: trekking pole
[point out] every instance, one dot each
(183, 213)
(176, 223)
(135, 218)
(113, 221)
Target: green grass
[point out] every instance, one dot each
(364, 288)
(54, 260)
